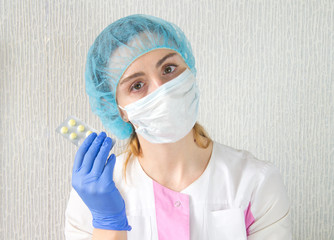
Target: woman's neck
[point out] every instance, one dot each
(174, 165)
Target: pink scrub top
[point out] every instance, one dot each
(236, 197)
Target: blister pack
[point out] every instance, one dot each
(75, 130)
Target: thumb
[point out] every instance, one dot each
(109, 167)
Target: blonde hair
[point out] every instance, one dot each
(133, 149)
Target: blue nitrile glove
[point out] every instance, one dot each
(93, 181)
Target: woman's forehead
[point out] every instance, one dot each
(157, 55)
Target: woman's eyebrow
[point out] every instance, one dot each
(164, 59)
(138, 74)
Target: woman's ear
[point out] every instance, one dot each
(124, 115)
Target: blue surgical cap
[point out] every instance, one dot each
(115, 48)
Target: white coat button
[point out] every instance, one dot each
(177, 204)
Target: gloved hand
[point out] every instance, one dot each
(93, 181)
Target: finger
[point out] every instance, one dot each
(102, 156)
(92, 152)
(108, 170)
(79, 156)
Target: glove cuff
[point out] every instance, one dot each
(117, 222)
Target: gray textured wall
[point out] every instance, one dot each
(265, 70)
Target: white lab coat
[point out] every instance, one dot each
(233, 180)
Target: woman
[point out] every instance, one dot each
(173, 181)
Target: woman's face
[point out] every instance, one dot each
(146, 74)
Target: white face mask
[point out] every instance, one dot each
(169, 113)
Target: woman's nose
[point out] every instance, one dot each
(156, 83)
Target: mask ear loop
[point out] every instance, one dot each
(125, 120)
(121, 107)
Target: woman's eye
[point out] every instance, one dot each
(137, 86)
(169, 69)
